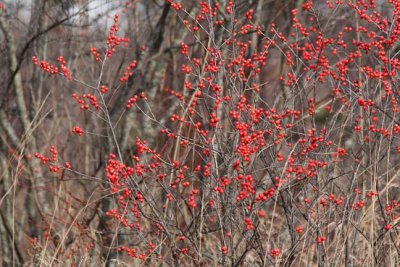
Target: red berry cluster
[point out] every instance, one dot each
(113, 40)
(52, 69)
(77, 130)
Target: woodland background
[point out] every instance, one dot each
(50, 219)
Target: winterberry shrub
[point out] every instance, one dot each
(249, 143)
